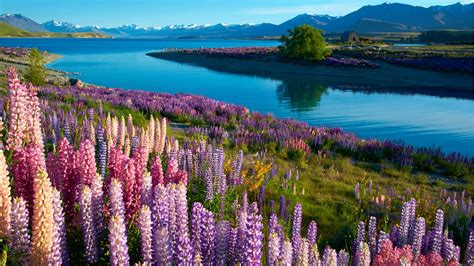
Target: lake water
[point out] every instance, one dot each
(417, 119)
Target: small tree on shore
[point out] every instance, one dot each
(304, 43)
(36, 73)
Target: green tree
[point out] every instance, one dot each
(36, 73)
(304, 43)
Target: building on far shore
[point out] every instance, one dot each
(350, 37)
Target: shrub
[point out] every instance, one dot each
(304, 43)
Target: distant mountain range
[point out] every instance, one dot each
(368, 19)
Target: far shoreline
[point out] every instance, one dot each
(387, 78)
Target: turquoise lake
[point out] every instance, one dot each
(417, 119)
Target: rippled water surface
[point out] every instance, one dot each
(420, 120)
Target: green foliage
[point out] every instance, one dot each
(36, 73)
(304, 43)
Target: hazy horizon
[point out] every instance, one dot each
(108, 13)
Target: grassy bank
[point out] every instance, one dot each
(7, 30)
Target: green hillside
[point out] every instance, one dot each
(7, 30)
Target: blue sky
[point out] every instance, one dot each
(110, 13)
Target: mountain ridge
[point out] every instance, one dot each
(386, 17)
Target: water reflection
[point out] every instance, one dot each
(299, 94)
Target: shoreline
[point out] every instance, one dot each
(407, 80)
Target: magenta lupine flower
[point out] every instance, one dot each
(312, 233)
(196, 222)
(60, 255)
(68, 178)
(438, 232)
(405, 255)
(20, 237)
(140, 155)
(88, 225)
(156, 171)
(86, 165)
(469, 257)
(145, 226)
(161, 238)
(208, 237)
(432, 258)
(171, 169)
(128, 184)
(222, 242)
(418, 236)
(52, 169)
(296, 229)
(372, 235)
(273, 248)
(254, 238)
(183, 249)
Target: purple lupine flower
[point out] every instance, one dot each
(418, 236)
(296, 229)
(359, 239)
(448, 249)
(412, 221)
(102, 151)
(438, 232)
(20, 238)
(60, 255)
(208, 237)
(116, 198)
(342, 258)
(219, 171)
(281, 210)
(147, 190)
(272, 224)
(209, 184)
(161, 218)
(382, 237)
(372, 235)
(286, 254)
(254, 238)
(312, 233)
(261, 199)
(314, 255)
(232, 254)
(97, 204)
(145, 226)
(394, 234)
(303, 253)
(272, 206)
(273, 248)
(242, 228)
(183, 249)
(88, 226)
(196, 221)
(329, 257)
(222, 242)
(469, 256)
(118, 241)
(404, 225)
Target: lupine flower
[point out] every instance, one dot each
(5, 198)
(254, 238)
(60, 255)
(469, 257)
(273, 248)
(183, 249)
(145, 225)
(97, 204)
(432, 258)
(372, 235)
(342, 258)
(312, 233)
(438, 232)
(222, 242)
(101, 151)
(418, 236)
(43, 222)
(209, 184)
(232, 255)
(296, 229)
(303, 253)
(359, 239)
(364, 254)
(261, 198)
(387, 254)
(17, 96)
(147, 190)
(196, 225)
(162, 236)
(130, 199)
(68, 177)
(286, 255)
(88, 225)
(86, 165)
(118, 241)
(20, 238)
(329, 257)
(314, 255)
(208, 230)
(156, 171)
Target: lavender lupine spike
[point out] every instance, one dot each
(88, 225)
(404, 224)
(296, 229)
(183, 247)
(342, 258)
(412, 221)
(97, 204)
(329, 257)
(273, 249)
(20, 238)
(438, 232)
(241, 233)
(314, 255)
(254, 238)
(448, 250)
(372, 235)
(312, 233)
(272, 224)
(469, 256)
(60, 255)
(207, 237)
(382, 237)
(222, 242)
(364, 257)
(161, 238)
(232, 254)
(209, 184)
(360, 237)
(145, 225)
(102, 151)
(286, 255)
(118, 241)
(418, 236)
(196, 221)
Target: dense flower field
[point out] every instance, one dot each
(271, 54)
(86, 185)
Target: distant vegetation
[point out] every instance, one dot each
(304, 43)
(36, 73)
(7, 30)
(448, 37)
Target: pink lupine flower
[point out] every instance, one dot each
(17, 120)
(86, 166)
